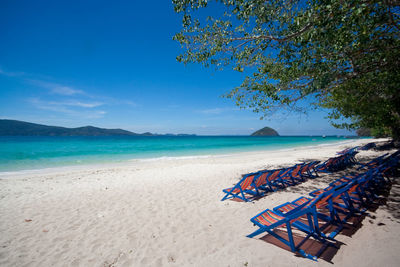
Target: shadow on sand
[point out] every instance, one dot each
(388, 200)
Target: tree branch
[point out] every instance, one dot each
(274, 38)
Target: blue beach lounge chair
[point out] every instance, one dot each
(303, 217)
(285, 177)
(368, 146)
(273, 180)
(374, 162)
(308, 170)
(242, 189)
(259, 184)
(295, 173)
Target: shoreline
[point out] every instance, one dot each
(169, 213)
(122, 162)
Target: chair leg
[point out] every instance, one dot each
(257, 232)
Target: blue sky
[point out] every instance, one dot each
(112, 64)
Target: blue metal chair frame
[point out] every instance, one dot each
(311, 228)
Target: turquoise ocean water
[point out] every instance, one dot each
(33, 152)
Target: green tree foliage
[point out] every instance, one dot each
(344, 55)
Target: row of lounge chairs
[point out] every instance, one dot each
(348, 150)
(351, 149)
(323, 213)
(338, 163)
(257, 184)
(368, 146)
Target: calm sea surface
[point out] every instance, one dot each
(24, 153)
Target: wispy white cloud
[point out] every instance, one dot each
(48, 105)
(10, 73)
(69, 91)
(113, 101)
(65, 90)
(58, 89)
(73, 103)
(80, 104)
(64, 98)
(64, 107)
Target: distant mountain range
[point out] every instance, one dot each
(22, 128)
(266, 131)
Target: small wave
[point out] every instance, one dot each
(167, 158)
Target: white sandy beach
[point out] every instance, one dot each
(169, 213)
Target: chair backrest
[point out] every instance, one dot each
(313, 164)
(375, 161)
(322, 199)
(246, 181)
(369, 175)
(284, 172)
(361, 180)
(317, 200)
(296, 169)
(354, 187)
(338, 182)
(368, 146)
(261, 179)
(327, 163)
(301, 201)
(308, 166)
(335, 160)
(338, 191)
(273, 175)
(344, 151)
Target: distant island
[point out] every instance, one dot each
(22, 128)
(266, 131)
